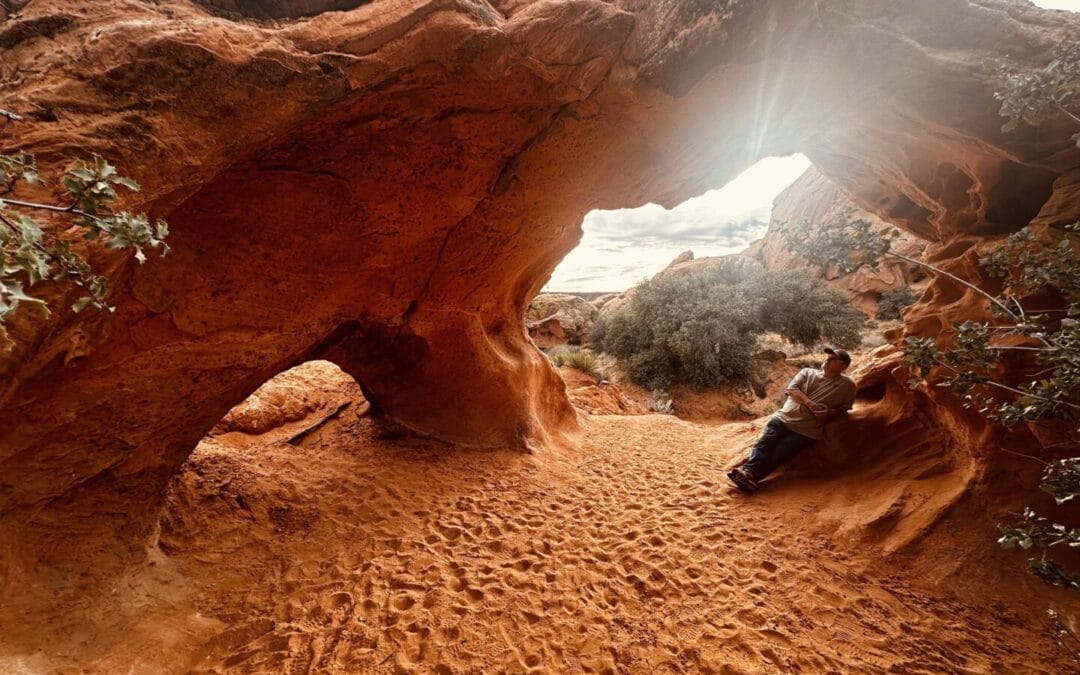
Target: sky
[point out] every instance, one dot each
(1073, 5)
(620, 248)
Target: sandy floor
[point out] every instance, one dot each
(350, 549)
(375, 555)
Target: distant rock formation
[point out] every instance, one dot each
(685, 256)
(600, 302)
(560, 319)
(290, 403)
(818, 200)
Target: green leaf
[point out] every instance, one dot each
(30, 230)
(126, 182)
(32, 261)
(13, 291)
(80, 304)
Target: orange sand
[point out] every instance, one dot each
(355, 549)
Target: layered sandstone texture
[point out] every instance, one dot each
(816, 201)
(386, 185)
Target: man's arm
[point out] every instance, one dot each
(795, 392)
(801, 398)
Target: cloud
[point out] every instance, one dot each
(1071, 5)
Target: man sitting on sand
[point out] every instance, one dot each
(813, 398)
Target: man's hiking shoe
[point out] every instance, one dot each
(742, 480)
(738, 481)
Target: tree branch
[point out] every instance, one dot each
(970, 285)
(1006, 387)
(75, 275)
(1074, 117)
(50, 207)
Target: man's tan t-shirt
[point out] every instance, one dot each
(837, 392)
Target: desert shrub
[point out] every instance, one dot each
(578, 359)
(894, 301)
(801, 308)
(701, 328)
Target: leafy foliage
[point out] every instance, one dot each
(1034, 531)
(894, 301)
(27, 257)
(845, 243)
(805, 311)
(702, 327)
(1062, 479)
(1053, 336)
(1035, 97)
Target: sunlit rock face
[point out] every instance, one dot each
(387, 187)
(818, 202)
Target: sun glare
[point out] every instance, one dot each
(621, 247)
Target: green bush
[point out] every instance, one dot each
(701, 328)
(805, 311)
(895, 301)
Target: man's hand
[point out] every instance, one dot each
(830, 413)
(821, 412)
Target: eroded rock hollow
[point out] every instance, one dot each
(387, 186)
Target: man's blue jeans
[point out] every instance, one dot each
(777, 445)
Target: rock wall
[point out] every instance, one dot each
(816, 199)
(386, 187)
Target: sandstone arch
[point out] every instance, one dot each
(387, 187)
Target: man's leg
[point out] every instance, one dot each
(763, 450)
(782, 445)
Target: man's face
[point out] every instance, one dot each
(833, 366)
